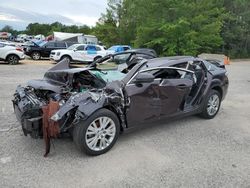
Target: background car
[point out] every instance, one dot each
(79, 53)
(43, 49)
(11, 54)
(118, 48)
(144, 50)
(32, 43)
(124, 60)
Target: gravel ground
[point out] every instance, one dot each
(189, 152)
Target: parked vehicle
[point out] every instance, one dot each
(11, 54)
(43, 49)
(97, 103)
(32, 43)
(144, 50)
(118, 48)
(79, 53)
(8, 43)
(23, 38)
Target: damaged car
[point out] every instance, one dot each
(97, 103)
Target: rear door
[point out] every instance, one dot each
(60, 45)
(48, 47)
(91, 52)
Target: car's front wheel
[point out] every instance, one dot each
(12, 59)
(212, 105)
(98, 133)
(96, 58)
(66, 58)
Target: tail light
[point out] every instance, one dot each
(19, 49)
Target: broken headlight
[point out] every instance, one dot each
(55, 117)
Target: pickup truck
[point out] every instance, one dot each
(43, 49)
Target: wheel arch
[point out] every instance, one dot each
(115, 111)
(66, 55)
(219, 89)
(12, 54)
(97, 57)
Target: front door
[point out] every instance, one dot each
(144, 103)
(161, 98)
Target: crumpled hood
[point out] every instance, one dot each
(57, 78)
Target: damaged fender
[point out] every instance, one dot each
(87, 103)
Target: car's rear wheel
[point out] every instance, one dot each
(98, 133)
(12, 59)
(212, 105)
(35, 55)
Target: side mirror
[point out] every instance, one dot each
(144, 78)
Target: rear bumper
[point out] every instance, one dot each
(22, 57)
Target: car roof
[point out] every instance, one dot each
(120, 46)
(168, 61)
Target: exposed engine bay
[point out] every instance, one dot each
(50, 106)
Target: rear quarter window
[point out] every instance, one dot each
(50, 45)
(61, 45)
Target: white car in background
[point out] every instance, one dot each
(79, 53)
(11, 54)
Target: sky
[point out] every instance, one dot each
(19, 13)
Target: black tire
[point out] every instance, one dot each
(66, 57)
(13, 59)
(205, 112)
(80, 130)
(96, 58)
(36, 55)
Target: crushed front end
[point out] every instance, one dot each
(28, 110)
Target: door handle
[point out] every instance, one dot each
(182, 86)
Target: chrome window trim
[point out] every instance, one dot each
(155, 68)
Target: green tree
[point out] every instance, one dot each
(106, 28)
(236, 28)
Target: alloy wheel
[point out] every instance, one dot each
(12, 60)
(213, 104)
(100, 133)
(36, 56)
(67, 59)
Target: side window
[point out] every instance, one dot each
(126, 48)
(98, 48)
(50, 45)
(181, 65)
(80, 48)
(1, 45)
(166, 74)
(171, 74)
(194, 66)
(60, 45)
(91, 48)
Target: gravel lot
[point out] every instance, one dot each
(190, 152)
